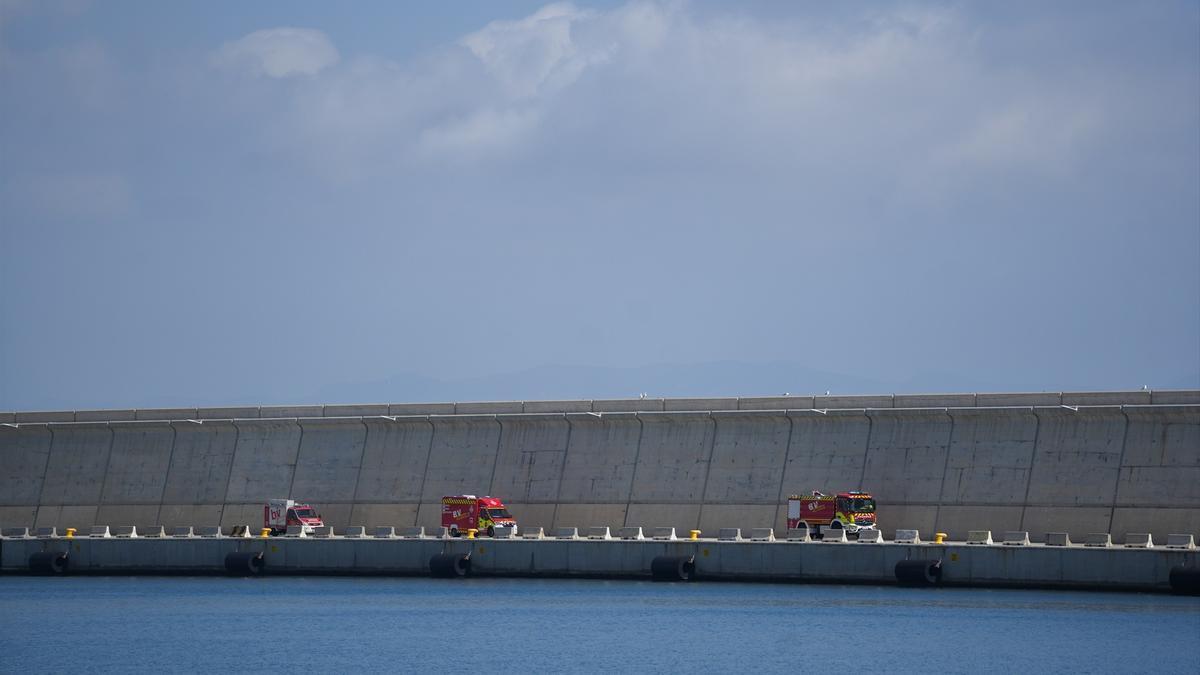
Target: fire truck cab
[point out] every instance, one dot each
(279, 514)
(468, 512)
(851, 511)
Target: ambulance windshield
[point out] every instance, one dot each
(499, 513)
(305, 513)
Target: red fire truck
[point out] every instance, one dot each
(852, 511)
(468, 512)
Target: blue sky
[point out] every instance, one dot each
(282, 202)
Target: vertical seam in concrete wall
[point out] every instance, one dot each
(361, 458)
(296, 461)
(163, 493)
(712, 443)
(862, 476)
(562, 472)
(637, 458)
(787, 453)
(1112, 510)
(425, 471)
(37, 509)
(237, 440)
(937, 514)
(112, 439)
(496, 455)
(1037, 436)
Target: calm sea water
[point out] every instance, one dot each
(333, 625)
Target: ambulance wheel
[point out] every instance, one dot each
(835, 525)
(453, 531)
(491, 531)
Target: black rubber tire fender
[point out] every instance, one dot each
(673, 568)
(450, 565)
(245, 563)
(49, 562)
(919, 572)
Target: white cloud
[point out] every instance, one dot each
(279, 52)
(534, 53)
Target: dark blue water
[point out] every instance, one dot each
(328, 625)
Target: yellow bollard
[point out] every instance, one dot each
(471, 534)
(70, 532)
(939, 538)
(266, 532)
(695, 534)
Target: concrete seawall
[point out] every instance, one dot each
(1070, 567)
(1060, 462)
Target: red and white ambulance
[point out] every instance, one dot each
(468, 512)
(279, 514)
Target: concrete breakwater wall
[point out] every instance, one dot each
(855, 562)
(1076, 463)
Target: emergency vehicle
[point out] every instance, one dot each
(851, 511)
(279, 514)
(468, 512)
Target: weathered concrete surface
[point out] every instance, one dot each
(24, 453)
(962, 565)
(934, 467)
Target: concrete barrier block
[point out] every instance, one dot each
(355, 410)
(908, 536)
(762, 534)
(851, 402)
(183, 532)
(324, 531)
(22, 533)
(417, 532)
(45, 416)
(557, 406)
(979, 537)
(438, 532)
(209, 531)
(566, 533)
(152, 531)
(240, 531)
(355, 532)
(504, 532)
(241, 413)
(1181, 541)
(730, 534)
(1139, 540)
(1058, 539)
(705, 404)
(598, 533)
(1016, 539)
(798, 534)
(1098, 539)
(105, 415)
(489, 408)
(532, 532)
(630, 533)
(420, 409)
(125, 531)
(870, 537)
(46, 532)
(834, 536)
(288, 411)
(1175, 397)
(296, 531)
(384, 532)
(100, 531)
(627, 405)
(663, 533)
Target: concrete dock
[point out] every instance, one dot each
(1070, 566)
